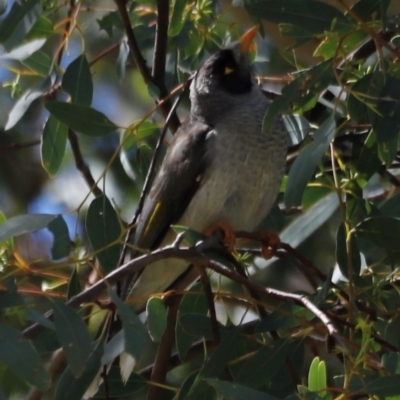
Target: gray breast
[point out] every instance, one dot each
(243, 178)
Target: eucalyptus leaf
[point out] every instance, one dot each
(54, 143)
(383, 232)
(234, 391)
(24, 51)
(62, 242)
(26, 99)
(22, 224)
(82, 119)
(137, 339)
(18, 22)
(305, 164)
(73, 336)
(22, 358)
(77, 81)
(156, 318)
(104, 230)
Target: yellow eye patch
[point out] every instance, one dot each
(228, 70)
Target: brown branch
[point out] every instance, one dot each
(17, 146)
(191, 255)
(161, 41)
(105, 52)
(81, 165)
(141, 64)
(164, 351)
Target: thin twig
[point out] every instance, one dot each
(16, 146)
(164, 351)
(141, 64)
(81, 165)
(161, 41)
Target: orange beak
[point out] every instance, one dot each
(247, 39)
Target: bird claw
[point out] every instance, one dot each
(226, 232)
(270, 242)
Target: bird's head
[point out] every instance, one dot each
(225, 75)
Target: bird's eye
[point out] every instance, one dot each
(228, 70)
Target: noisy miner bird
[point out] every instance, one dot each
(220, 167)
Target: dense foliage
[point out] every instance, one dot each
(330, 327)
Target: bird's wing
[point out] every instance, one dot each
(176, 183)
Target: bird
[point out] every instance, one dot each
(220, 167)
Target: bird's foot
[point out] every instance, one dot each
(227, 233)
(270, 241)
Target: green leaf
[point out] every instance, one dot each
(40, 63)
(391, 207)
(113, 348)
(199, 326)
(281, 318)
(368, 160)
(62, 243)
(54, 143)
(22, 358)
(194, 301)
(322, 378)
(391, 362)
(82, 119)
(3, 6)
(39, 318)
(22, 224)
(263, 365)
(381, 231)
(188, 383)
(341, 253)
(123, 55)
(24, 51)
(138, 131)
(215, 364)
(43, 28)
(297, 127)
(304, 166)
(104, 231)
(313, 379)
(137, 339)
(234, 391)
(23, 103)
(8, 299)
(329, 47)
(177, 18)
(385, 386)
(302, 93)
(365, 9)
(156, 318)
(74, 284)
(77, 81)
(117, 388)
(73, 336)
(18, 22)
(109, 22)
(274, 221)
(69, 386)
(310, 15)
